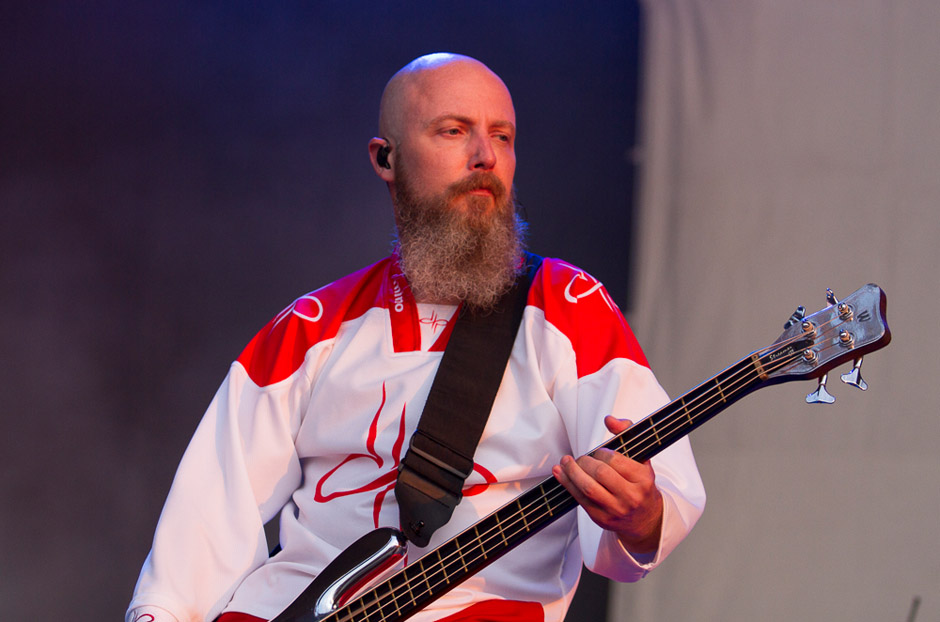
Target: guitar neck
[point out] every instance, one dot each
(443, 568)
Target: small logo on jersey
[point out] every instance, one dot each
(575, 291)
(436, 322)
(307, 308)
(399, 283)
(398, 298)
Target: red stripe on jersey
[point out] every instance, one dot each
(499, 611)
(573, 301)
(484, 611)
(579, 306)
(278, 350)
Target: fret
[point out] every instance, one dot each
(720, 392)
(380, 607)
(499, 526)
(424, 574)
(522, 513)
(433, 576)
(367, 611)
(459, 550)
(548, 506)
(655, 431)
(482, 548)
(391, 593)
(685, 409)
(618, 444)
(562, 497)
(407, 583)
(443, 567)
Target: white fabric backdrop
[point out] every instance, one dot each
(789, 147)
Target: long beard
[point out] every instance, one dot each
(450, 252)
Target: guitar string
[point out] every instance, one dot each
(551, 497)
(557, 492)
(483, 542)
(548, 500)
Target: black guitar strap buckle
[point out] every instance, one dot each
(429, 488)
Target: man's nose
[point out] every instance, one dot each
(482, 155)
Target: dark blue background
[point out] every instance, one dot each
(173, 174)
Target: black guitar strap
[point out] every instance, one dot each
(440, 454)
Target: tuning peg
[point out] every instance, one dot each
(820, 395)
(845, 313)
(796, 318)
(854, 377)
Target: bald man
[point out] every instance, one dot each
(314, 416)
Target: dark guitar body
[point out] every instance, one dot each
(367, 559)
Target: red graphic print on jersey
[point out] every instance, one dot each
(385, 481)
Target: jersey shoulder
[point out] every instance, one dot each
(579, 306)
(278, 349)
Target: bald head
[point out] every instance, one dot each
(428, 76)
(444, 118)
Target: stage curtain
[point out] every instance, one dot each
(787, 147)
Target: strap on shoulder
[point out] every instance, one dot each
(440, 453)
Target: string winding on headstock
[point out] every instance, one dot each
(844, 331)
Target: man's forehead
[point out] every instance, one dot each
(444, 84)
(458, 88)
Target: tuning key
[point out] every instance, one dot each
(796, 317)
(854, 377)
(845, 312)
(820, 395)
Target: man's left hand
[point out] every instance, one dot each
(618, 493)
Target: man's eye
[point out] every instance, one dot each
(452, 131)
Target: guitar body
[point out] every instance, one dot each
(809, 348)
(364, 562)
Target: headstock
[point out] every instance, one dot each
(812, 346)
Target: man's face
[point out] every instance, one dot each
(457, 245)
(456, 134)
(451, 127)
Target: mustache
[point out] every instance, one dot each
(478, 181)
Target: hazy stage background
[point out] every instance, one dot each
(174, 174)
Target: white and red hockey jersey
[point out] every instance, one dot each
(315, 415)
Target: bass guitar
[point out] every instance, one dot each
(350, 589)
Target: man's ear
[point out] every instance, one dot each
(383, 159)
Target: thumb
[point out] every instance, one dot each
(616, 426)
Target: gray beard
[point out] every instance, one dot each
(450, 253)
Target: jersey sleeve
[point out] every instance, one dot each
(238, 471)
(241, 466)
(608, 374)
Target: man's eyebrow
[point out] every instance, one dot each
(467, 121)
